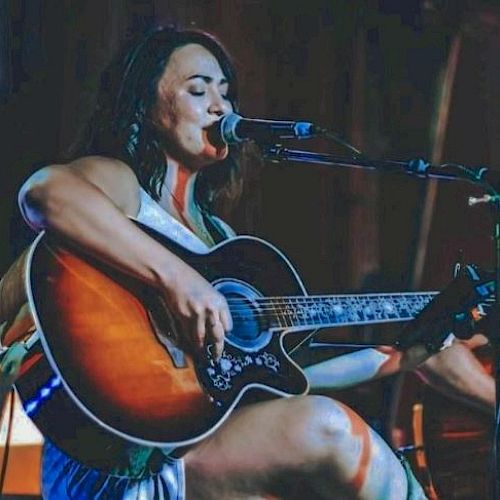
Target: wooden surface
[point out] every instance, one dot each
(23, 466)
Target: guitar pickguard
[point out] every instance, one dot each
(221, 374)
(266, 369)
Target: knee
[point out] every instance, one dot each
(318, 423)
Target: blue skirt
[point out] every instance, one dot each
(63, 477)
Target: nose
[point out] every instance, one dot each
(219, 106)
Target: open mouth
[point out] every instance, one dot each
(213, 135)
(214, 145)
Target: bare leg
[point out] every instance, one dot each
(306, 447)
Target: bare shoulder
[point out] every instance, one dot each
(114, 177)
(102, 170)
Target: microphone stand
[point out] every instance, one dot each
(495, 466)
(416, 167)
(482, 176)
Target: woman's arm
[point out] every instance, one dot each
(87, 202)
(12, 293)
(454, 371)
(363, 366)
(457, 373)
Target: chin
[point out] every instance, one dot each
(214, 154)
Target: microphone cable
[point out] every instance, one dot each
(324, 132)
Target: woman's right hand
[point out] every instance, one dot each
(203, 312)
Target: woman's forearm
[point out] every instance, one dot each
(454, 371)
(73, 207)
(457, 373)
(363, 366)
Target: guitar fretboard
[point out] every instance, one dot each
(344, 310)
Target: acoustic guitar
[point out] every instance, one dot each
(112, 360)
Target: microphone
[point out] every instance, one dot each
(233, 128)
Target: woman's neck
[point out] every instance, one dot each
(178, 189)
(178, 198)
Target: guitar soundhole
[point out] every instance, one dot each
(250, 324)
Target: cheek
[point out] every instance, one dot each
(190, 109)
(171, 111)
(166, 116)
(183, 122)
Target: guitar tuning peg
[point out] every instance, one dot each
(480, 311)
(459, 263)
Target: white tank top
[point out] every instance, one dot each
(154, 216)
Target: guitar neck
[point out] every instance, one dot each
(342, 310)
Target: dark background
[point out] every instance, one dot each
(398, 79)
(373, 71)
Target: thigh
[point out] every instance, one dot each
(303, 447)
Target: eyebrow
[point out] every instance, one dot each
(208, 79)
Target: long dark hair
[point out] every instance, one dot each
(122, 124)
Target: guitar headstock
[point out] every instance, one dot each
(458, 310)
(480, 304)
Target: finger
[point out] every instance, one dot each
(215, 334)
(199, 332)
(225, 316)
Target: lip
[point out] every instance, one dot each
(211, 124)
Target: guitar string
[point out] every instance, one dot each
(264, 304)
(315, 309)
(270, 313)
(292, 301)
(243, 310)
(340, 296)
(339, 320)
(301, 309)
(347, 322)
(321, 317)
(238, 301)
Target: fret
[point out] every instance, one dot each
(276, 319)
(294, 308)
(285, 314)
(282, 319)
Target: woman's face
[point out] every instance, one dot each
(192, 95)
